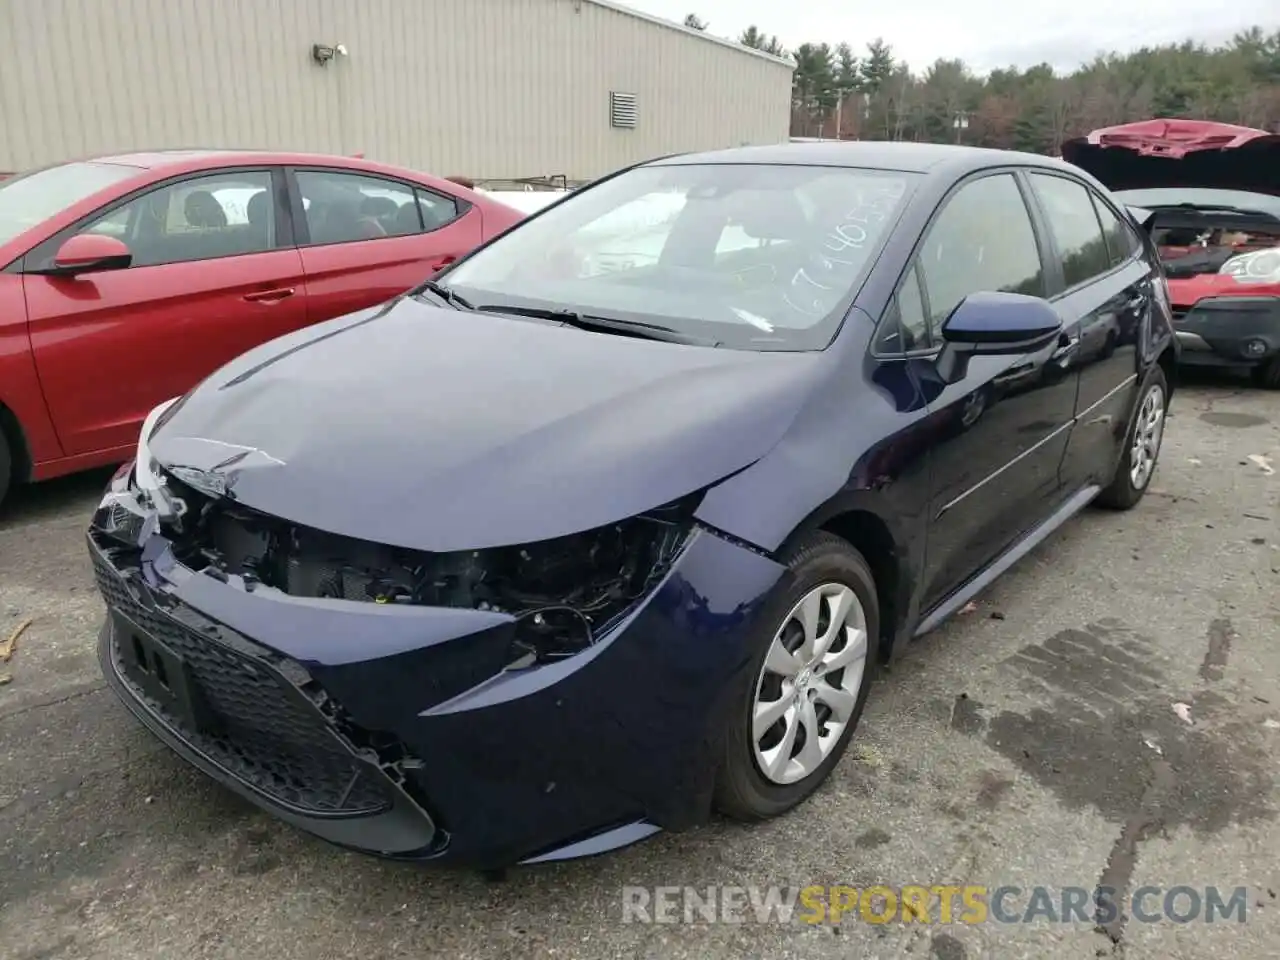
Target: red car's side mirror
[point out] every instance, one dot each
(91, 253)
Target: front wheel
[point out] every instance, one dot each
(6, 468)
(1267, 375)
(815, 652)
(1142, 448)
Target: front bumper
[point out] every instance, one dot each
(1229, 331)
(383, 729)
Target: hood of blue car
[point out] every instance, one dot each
(439, 430)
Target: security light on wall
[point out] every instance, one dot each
(322, 53)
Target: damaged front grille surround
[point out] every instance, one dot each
(265, 710)
(563, 593)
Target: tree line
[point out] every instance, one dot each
(840, 93)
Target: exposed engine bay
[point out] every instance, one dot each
(564, 591)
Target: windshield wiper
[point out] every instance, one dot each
(443, 292)
(585, 321)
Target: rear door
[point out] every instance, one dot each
(366, 238)
(1106, 290)
(214, 273)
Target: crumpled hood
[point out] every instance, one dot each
(442, 430)
(1179, 153)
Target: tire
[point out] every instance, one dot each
(6, 468)
(1125, 489)
(1267, 375)
(744, 791)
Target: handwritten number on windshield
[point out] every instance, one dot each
(848, 237)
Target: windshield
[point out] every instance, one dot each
(748, 256)
(1199, 197)
(30, 200)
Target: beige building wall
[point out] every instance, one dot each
(484, 88)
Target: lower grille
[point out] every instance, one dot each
(267, 734)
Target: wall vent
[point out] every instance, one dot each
(622, 110)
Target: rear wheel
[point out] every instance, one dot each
(1267, 375)
(815, 652)
(1142, 447)
(6, 467)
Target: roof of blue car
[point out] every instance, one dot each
(874, 154)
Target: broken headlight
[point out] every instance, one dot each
(566, 592)
(563, 593)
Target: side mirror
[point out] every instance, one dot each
(995, 324)
(90, 253)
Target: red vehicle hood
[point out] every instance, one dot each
(1179, 153)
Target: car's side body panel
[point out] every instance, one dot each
(960, 474)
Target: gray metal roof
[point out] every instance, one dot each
(701, 35)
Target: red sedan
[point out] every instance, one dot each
(126, 280)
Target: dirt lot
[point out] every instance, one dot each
(1035, 741)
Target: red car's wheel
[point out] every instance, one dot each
(6, 467)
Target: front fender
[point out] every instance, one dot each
(860, 446)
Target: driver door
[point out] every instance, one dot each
(995, 470)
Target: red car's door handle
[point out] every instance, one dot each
(444, 262)
(269, 296)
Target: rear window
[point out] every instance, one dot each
(28, 201)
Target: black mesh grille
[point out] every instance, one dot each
(268, 735)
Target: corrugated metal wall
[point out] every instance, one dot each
(484, 88)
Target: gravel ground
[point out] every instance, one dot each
(1036, 740)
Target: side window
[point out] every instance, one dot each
(114, 224)
(349, 207)
(906, 326)
(1122, 243)
(437, 209)
(983, 241)
(224, 214)
(916, 334)
(1075, 227)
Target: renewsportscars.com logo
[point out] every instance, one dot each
(934, 903)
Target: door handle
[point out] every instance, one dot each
(1067, 344)
(443, 262)
(270, 296)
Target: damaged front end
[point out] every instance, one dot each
(562, 594)
(419, 704)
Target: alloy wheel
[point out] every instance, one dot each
(808, 687)
(1147, 434)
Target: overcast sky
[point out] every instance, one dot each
(984, 33)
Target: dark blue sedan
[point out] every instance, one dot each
(609, 526)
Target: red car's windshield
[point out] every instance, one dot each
(30, 200)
